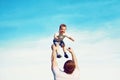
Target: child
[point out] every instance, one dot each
(58, 39)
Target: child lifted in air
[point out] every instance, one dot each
(58, 40)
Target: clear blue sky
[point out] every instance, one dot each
(21, 18)
(26, 33)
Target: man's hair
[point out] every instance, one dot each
(62, 25)
(69, 66)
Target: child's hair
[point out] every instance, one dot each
(62, 25)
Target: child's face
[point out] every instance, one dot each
(62, 29)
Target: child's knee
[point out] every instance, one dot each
(62, 45)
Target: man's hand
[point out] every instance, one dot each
(53, 47)
(70, 50)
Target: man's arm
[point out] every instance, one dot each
(73, 57)
(53, 57)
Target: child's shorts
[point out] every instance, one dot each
(61, 43)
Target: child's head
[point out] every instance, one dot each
(62, 28)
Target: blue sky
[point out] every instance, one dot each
(23, 18)
(27, 28)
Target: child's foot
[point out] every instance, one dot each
(65, 55)
(59, 56)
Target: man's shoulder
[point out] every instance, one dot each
(77, 70)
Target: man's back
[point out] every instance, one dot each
(60, 75)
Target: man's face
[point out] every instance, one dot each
(62, 29)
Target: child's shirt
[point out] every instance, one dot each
(60, 36)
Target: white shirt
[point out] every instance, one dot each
(61, 36)
(60, 75)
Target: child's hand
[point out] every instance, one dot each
(56, 37)
(71, 39)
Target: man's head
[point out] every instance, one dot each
(69, 66)
(62, 28)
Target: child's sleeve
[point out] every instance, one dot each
(55, 36)
(69, 37)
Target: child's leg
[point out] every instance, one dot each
(65, 54)
(57, 45)
(64, 49)
(58, 55)
(62, 44)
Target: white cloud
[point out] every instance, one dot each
(26, 60)
(100, 72)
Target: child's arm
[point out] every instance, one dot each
(55, 36)
(71, 38)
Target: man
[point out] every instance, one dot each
(71, 70)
